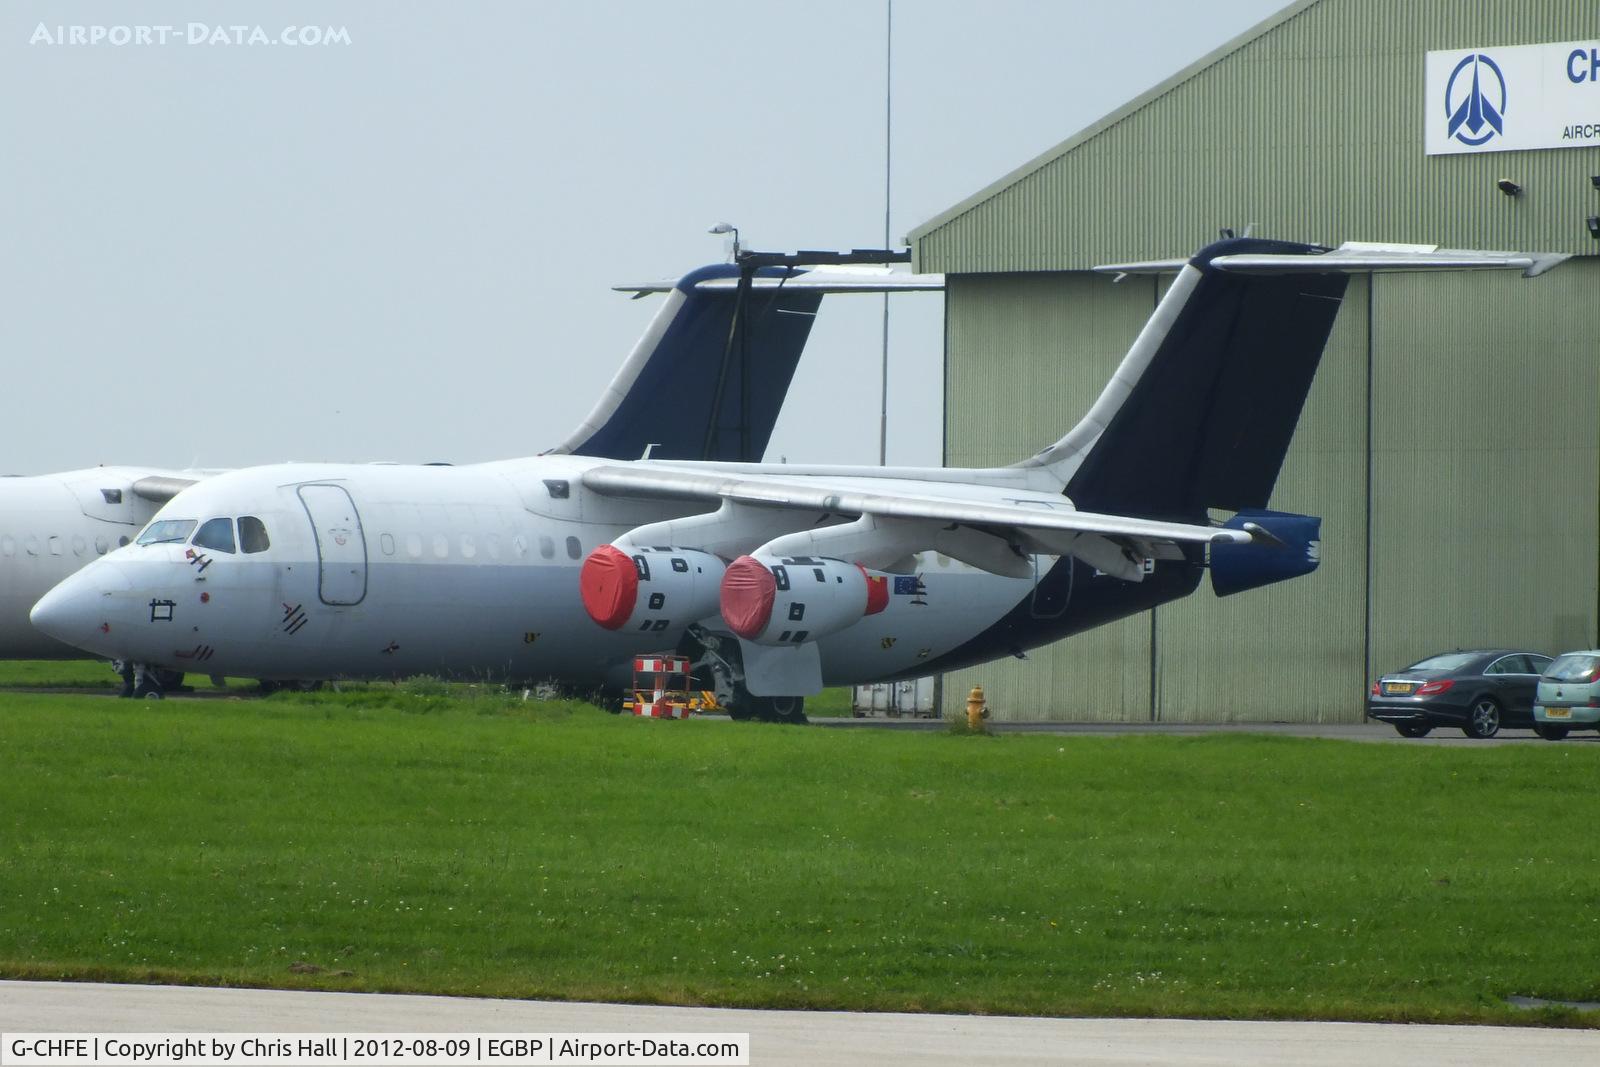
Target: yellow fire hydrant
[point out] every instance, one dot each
(977, 710)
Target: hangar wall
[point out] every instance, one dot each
(1450, 442)
(1476, 521)
(1486, 461)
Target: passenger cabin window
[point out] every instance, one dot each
(216, 534)
(253, 534)
(166, 531)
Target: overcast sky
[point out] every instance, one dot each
(400, 247)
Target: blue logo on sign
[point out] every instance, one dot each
(1475, 100)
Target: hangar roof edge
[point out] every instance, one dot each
(1088, 133)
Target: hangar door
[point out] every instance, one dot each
(341, 548)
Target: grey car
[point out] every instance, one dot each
(1478, 690)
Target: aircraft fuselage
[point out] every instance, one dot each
(50, 526)
(391, 571)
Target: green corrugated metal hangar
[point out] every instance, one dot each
(1450, 441)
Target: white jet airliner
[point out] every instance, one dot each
(53, 524)
(776, 580)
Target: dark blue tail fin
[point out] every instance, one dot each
(709, 376)
(1202, 410)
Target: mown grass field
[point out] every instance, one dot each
(90, 674)
(427, 839)
(97, 674)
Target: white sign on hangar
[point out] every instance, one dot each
(1512, 98)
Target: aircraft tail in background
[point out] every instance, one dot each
(708, 378)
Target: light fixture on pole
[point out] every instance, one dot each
(728, 227)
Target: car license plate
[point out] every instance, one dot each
(1558, 713)
(1398, 689)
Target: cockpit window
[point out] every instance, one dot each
(166, 531)
(253, 534)
(216, 534)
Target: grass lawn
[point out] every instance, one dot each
(58, 673)
(90, 674)
(404, 838)
(97, 674)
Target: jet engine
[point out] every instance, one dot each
(794, 599)
(654, 589)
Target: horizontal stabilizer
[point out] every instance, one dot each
(1357, 257)
(817, 280)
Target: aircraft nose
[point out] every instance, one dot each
(75, 611)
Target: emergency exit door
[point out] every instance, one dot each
(341, 547)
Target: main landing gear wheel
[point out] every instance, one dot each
(746, 705)
(787, 709)
(1483, 719)
(1413, 729)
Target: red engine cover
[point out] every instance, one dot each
(791, 600)
(609, 584)
(748, 589)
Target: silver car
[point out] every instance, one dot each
(1568, 697)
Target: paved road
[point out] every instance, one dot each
(1370, 731)
(782, 1038)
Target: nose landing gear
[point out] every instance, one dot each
(144, 682)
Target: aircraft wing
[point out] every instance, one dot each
(882, 523)
(160, 488)
(759, 491)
